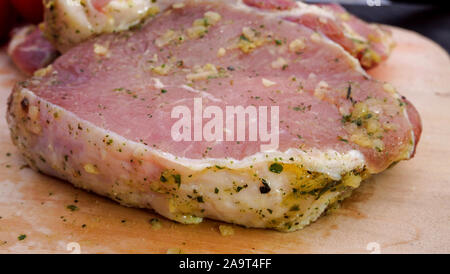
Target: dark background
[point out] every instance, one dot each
(431, 20)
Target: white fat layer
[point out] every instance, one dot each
(117, 15)
(300, 10)
(330, 162)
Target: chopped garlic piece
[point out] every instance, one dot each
(174, 250)
(373, 126)
(212, 17)
(378, 145)
(268, 83)
(226, 230)
(249, 33)
(297, 45)
(153, 10)
(196, 32)
(389, 88)
(279, 63)
(315, 37)
(43, 71)
(163, 69)
(200, 22)
(321, 89)
(361, 139)
(167, 38)
(352, 181)
(221, 52)
(90, 168)
(156, 223)
(101, 50)
(178, 5)
(200, 26)
(154, 58)
(203, 73)
(250, 40)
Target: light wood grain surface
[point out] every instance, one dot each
(404, 210)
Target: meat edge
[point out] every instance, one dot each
(58, 143)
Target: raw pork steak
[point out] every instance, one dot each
(100, 117)
(68, 23)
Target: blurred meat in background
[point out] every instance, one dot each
(30, 50)
(21, 24)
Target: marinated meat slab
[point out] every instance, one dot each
(71, 22)
(369, 43)
(101, 117)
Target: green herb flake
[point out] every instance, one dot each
(72, 207)
(177, 178)
(276, 168)
(243, 38)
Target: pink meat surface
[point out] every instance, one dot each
(326, 101)
(271, 4)
(376, 43)
(100, 4)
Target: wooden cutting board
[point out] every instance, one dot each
(406, 209)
